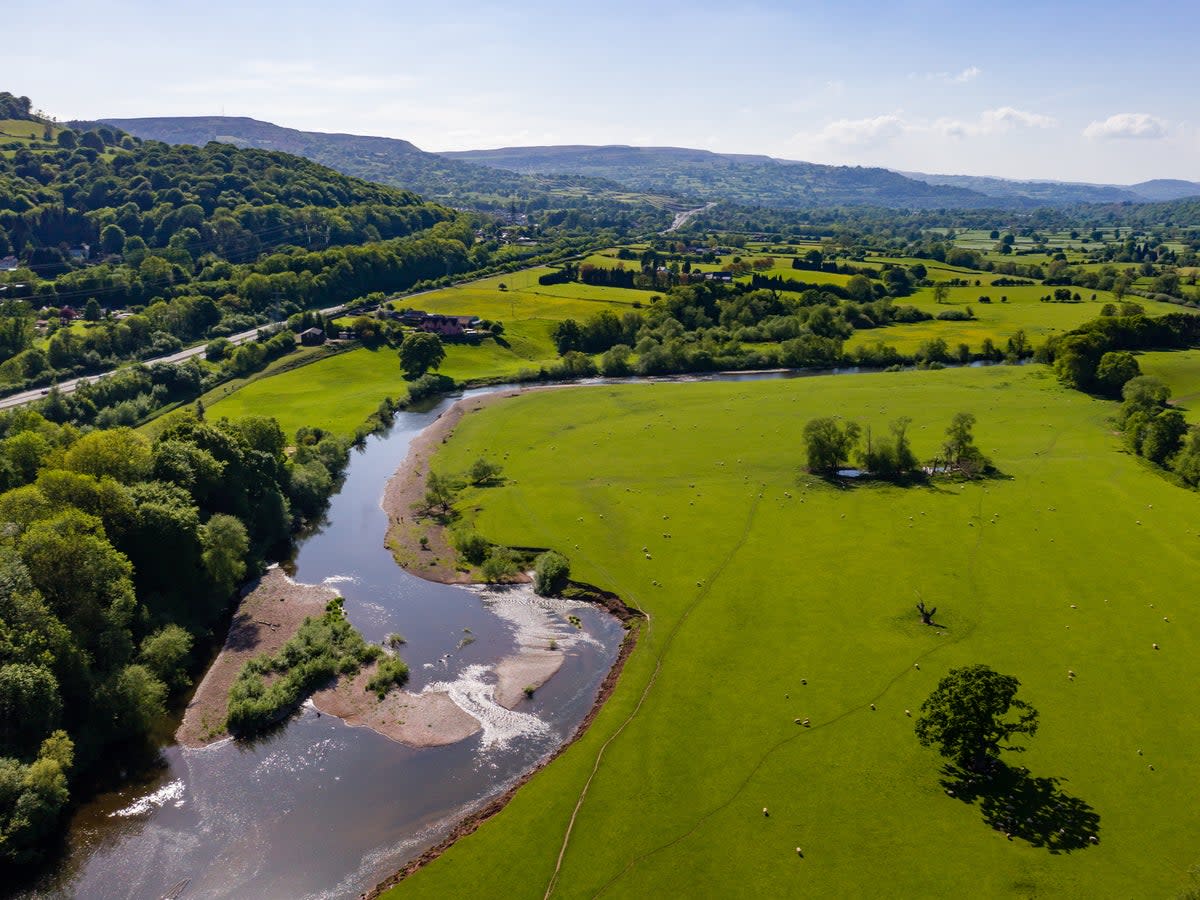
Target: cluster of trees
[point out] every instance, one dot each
(831, 443)
(1157, 431)
(118, 558)
(1091, 357)
(12, 107)
(1097, 357)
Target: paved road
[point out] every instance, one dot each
(67, 387)
(682, 218)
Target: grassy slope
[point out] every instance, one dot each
(821, 586)
(338, 394)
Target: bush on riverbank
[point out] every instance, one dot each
(321, 650)
(550, 573)
(392, 670)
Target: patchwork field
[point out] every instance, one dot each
(774, 597)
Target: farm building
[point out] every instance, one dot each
(447, 326)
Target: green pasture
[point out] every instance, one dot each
(24, 130)
(524, 298)
(774, 597)
(339, 392)
(995, 320)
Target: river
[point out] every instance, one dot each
(320, 809)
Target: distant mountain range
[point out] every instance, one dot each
(484, 178)
(737, 178)
(1065, 193)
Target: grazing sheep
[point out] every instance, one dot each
(917, 666)
(872, 706)
(1155, 646)
(765, 812)
(799, 852)
(908, 712)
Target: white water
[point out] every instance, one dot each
(477, 697)
(171, 792)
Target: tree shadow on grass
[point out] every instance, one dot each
(1026, 807)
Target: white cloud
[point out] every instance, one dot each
(993, 121)
(1006, 116)
(1127, 125)
(863, 132)
(970, 73)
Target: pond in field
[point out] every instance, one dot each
(320, 809)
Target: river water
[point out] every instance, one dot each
(320, 809)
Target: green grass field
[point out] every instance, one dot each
(774, 597)
(999, 321)
(24, 130)
(339, 392)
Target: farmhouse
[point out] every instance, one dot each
(447, 326)
(8, 263)
(312, 337)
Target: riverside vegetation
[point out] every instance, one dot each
(321, 650)
(118, 563)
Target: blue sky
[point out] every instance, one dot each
(1094, 91)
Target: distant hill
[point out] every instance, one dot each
(745, 179)
(556, 176)
(386, 160)
(1167, 189)
(1065, 193)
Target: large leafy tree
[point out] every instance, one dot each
(829, 443)
(971, 713)
(420, 352)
